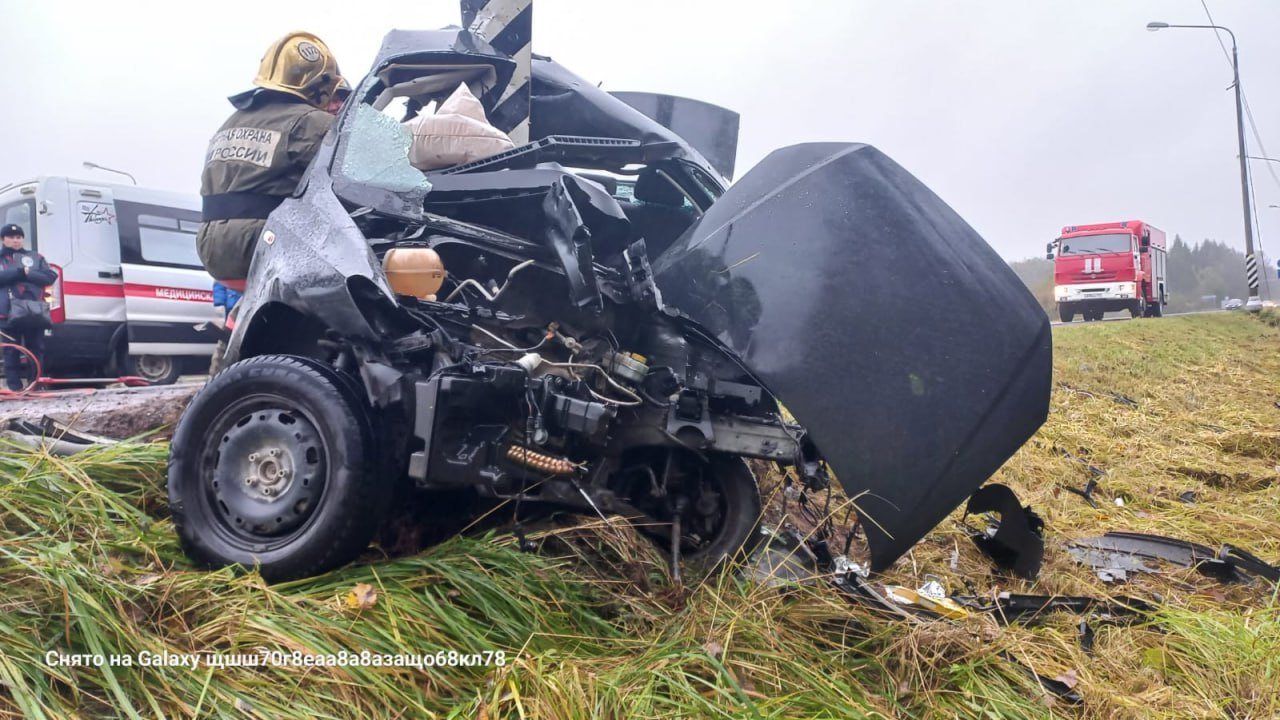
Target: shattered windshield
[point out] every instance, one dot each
(377, 154)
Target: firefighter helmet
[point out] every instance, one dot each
(300, 64)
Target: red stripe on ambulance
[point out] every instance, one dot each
(92, 289)
(138, 290)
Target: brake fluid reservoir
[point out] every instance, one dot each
(629, 367)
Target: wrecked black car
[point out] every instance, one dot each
(595, 321)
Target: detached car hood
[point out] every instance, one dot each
(912, 353)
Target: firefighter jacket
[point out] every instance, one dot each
(254, 161)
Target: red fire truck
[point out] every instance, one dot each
(1108, 267)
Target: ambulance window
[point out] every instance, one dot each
(168, 240)
(22, 214)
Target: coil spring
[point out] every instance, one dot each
(540, 461)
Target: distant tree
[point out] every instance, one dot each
(1183, 293)
(1037, 275)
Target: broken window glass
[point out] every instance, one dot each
(377, 154)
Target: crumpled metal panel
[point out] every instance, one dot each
(916, 359)
(711, 129)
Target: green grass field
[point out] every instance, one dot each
(592, 628)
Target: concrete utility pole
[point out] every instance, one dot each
(507, 25)
(1250, 259)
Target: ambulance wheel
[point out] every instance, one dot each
(155, 369)
(273, 466)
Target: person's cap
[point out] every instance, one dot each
(12, 230)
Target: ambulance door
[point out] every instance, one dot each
(91, 280)
(167, 292)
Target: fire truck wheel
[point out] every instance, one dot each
(1066, 315)
(273, 465)
(1156, 310)
(155, 369)
(1138, 309)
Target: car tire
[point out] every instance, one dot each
(232, 505)
(737, 511)
(155, 369)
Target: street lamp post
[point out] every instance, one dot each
(1250, 260)
(94, 166)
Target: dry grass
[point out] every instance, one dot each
(591, 627)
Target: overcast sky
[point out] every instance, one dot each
(1023, 116)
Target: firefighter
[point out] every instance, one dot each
(258, 156)
(339, 97)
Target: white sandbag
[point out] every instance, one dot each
(457, 133)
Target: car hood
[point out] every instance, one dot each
(910, 351)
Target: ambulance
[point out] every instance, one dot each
(131, 294)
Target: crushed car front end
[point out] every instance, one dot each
(612, 331)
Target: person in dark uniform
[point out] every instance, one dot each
(23, 274)
(258, 156)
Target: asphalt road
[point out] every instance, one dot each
(1124, 315)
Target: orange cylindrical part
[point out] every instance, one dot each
(417, 272)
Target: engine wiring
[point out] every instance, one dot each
(636, 399)
(510, 347)
(497, 293)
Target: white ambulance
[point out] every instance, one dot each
(131, 289)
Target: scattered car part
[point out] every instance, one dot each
(1188, 497)
(940, 606)
(1086, 637)
(1060, 689)
(1018, 541)
(1110, 566)
(1123, 399)
(781, 559)
(1028, 609)
(857, 590)
(1086, 493)
(1117, 550)
(50, 436)
(1249, 562)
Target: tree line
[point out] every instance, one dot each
(1201, 276)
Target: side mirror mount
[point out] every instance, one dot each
(1048, 251)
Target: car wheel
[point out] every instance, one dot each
(155, 369)
(721, 508)
(272, 466)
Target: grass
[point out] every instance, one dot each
(591, 627)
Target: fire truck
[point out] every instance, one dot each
(1109, 267)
